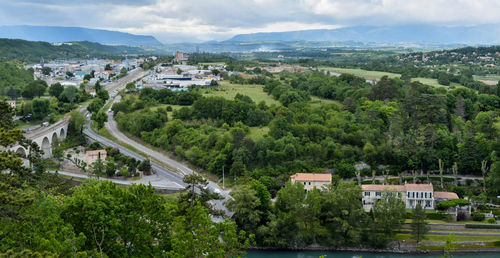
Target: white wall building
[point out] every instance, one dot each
(411, 194)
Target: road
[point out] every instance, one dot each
(173, 176)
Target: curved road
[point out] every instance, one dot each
(174, 180)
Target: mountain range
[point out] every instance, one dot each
(57, 34)
(483, 34)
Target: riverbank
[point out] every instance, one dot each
(352, 254)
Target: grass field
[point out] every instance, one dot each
(369, 75)
(229, 91)
(443, 238)
(212, 63)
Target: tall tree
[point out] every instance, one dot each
(389, 213)
(418, 224)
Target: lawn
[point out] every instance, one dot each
(443, 238)
(434, 83)
(229, 91)
(316, 101)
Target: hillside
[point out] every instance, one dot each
(30, 51)
(55, 34)
(486, 34)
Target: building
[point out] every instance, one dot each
(312, 180)
(180, 57)
(91, 92)
(411, 194)
(93, 156)
(12, 103)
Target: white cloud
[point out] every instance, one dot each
(180, 20)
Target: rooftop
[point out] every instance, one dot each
(397, 188)
(419, 187)
(445, 195)
(88, 153)
(312, 177)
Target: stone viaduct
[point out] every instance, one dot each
(44, 137)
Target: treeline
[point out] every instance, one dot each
(333, 217)
(394, 126)
(42, 215)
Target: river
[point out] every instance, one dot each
(316, 254)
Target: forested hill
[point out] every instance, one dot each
(31, 51)
(54, 34)
(488, 56)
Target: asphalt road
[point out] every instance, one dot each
(172, 176)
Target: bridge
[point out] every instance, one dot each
(44, 137)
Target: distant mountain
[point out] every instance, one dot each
(55, 34)
(485, 34)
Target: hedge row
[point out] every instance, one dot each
(490, 226)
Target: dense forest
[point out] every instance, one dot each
(393, 126)
(13, 78)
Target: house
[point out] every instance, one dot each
(312, 180)
(180, 57)
(93, 156)
(411, 194)
(91, 92)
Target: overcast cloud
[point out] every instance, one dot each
(200, 20)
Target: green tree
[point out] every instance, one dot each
(145, 167)
(418, 224)
(245, 205)
(46, 70)
(34, 89)
(100, 118)
(130, 86)
(110, 168)
(108, 67)
(103, 94)
(76, 123)
(56, 89)
(41, 108)
(95, 105)
(389, 213)
(69, 94)
(98, 168)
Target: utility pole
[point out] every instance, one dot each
(223, 188)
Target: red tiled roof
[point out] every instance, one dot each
(95, 152)
(445, 195)
(312, 177)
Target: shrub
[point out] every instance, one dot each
(169, 108)
(436, 216)
(124, 172)
(491, 221)
(496, 243)
(477, 216)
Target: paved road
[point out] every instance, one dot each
(173, 176)
(156, 181)
(181, 168)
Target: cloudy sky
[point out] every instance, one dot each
(201, 20)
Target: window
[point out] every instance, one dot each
(427, 203)
(408, 194)
(430, 195)
(304, 183)
(378, 193)
(412, 194)
(367, 193)
(309, 183)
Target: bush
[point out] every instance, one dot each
(493, 226)
(491, 221)
(477, 216)
(436, 216)
(169, 108)
(124, 172)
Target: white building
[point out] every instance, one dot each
(411, 194)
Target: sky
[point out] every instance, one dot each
(173, 21)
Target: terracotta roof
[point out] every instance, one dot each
(445, 195)
(312, 177)
(419, 187)
(397, 188)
